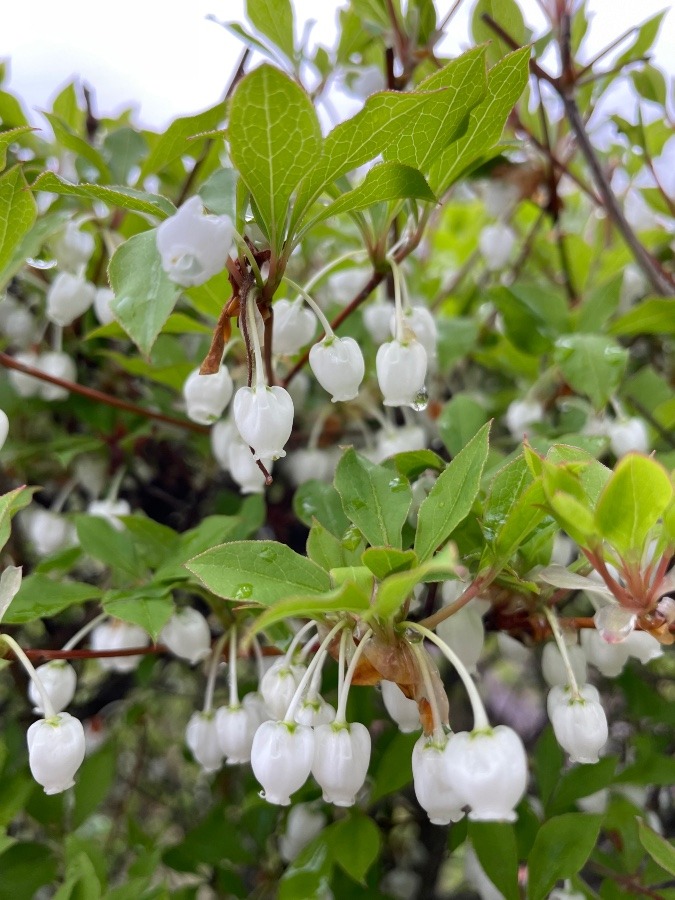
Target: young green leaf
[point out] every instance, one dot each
(355, 844)
(383, 561)
(150, 607)
(374, 499)
(71, 141)
(101, 540)
(327, 550)
(320, 501)
(10, 504)
(592, 364)
(451, 498)
(660, 850)
(274, 19)
(120, 196)
(17, 212)
(653, 316)
(40, 597)
(8, 137)
(274, 138)
(561, 848)
(261, 571)
(144, 295)
(177, 140)
(495, 846)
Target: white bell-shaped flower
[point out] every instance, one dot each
(244, 469)
(299, 389)
(68, 297)
(377, 319)
(117, 635)
(433, 787)
(264, 419)
(19, 327)
(281, 759)
(553, 667)
(488, 770)
(310, 465)
(403, 439)
(302, 825)
(626, 435)
(401, 370)
(607, 658)
(643, 646)
(343, 286)
(521, 414)
(187, 635)
(193, 246)
(278, 685)
(206, 396)
(50, 532)
(560, 695)
(236, 726)
(315, 711)
(403, 711)
(221, 436)
(341, 758)
(59, 365)
(338, 366)
(201, 736)
(255, 704)
(102, 309)
(25, 385)
(366, 81)
(464, 633)
(293, 326)
(420, 321)
(110, 510)
(73, 247)
(55, 751)
(496, 243)
(580, 725)
(4, 428)
(59, 681)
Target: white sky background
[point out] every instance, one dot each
(164, 57)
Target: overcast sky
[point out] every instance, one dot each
(166, 59)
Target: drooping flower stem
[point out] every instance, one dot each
(480, 719)
(562, 646)
(398, 299)
(216, 656)
(319, 657)
(288, 656)
(438, 734)
(84, 631)
(232, 674)
(255, 339)
(314, 306)
(47, 705)
(340, 716)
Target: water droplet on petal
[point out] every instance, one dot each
(40, 263)
(421, 400)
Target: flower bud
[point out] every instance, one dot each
(118, 635)
(496, 243)
(201, 736)
(244, 469)
(628, 435)
(206, 396)
(302, 826)
(420, 321)
(278, 685)
(488, 770)
(25, 385)
(55, 751)
(293, 326)
(341, 758)
(521, 414)
(377, 319)
(102, 309)
(59, 681)
(401, 370)
(187, 635)
(4, 427)
(314, 712)
(236, 726)
(553, 667)
(58, 365)
(50, 532)
(110, 510)
(402, 710)
(193, 246)
(281, 759)
(433, 787)
(68, 297)
(73, 248)
(338, 366)
(264, 419)
(580, 725)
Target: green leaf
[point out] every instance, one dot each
(397, 588)
(580, 781)
(383, 561)
(124, 148)
(154, 542)
(31, 243)
(460, 419)
(451, 498)
(119, 196)
(412, 463)
(523, 517)
(25, 868)
(81, 880)
(150, 607)
(329, 551)
(348, 597)
(275, 138)
(274, 19)
(376, 501)
(10, 504)
(94, 780)
(533, 316)
(632, 502)
(40, 597)
(592, 364)
(17, 212)
(219, 193)
(8, 137)
(495, 846)
(506, 82)
(393, 771)
(507, 14)
(644, 39)
(462, 83)
(177, 140)
(320, 501)
(386, 181)
(101, 540)
(660, 850)
(144, 294)
(67, 138)
(560, 850)
(574, 517)
(653, 316)
(355, 844)
(261, 571)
